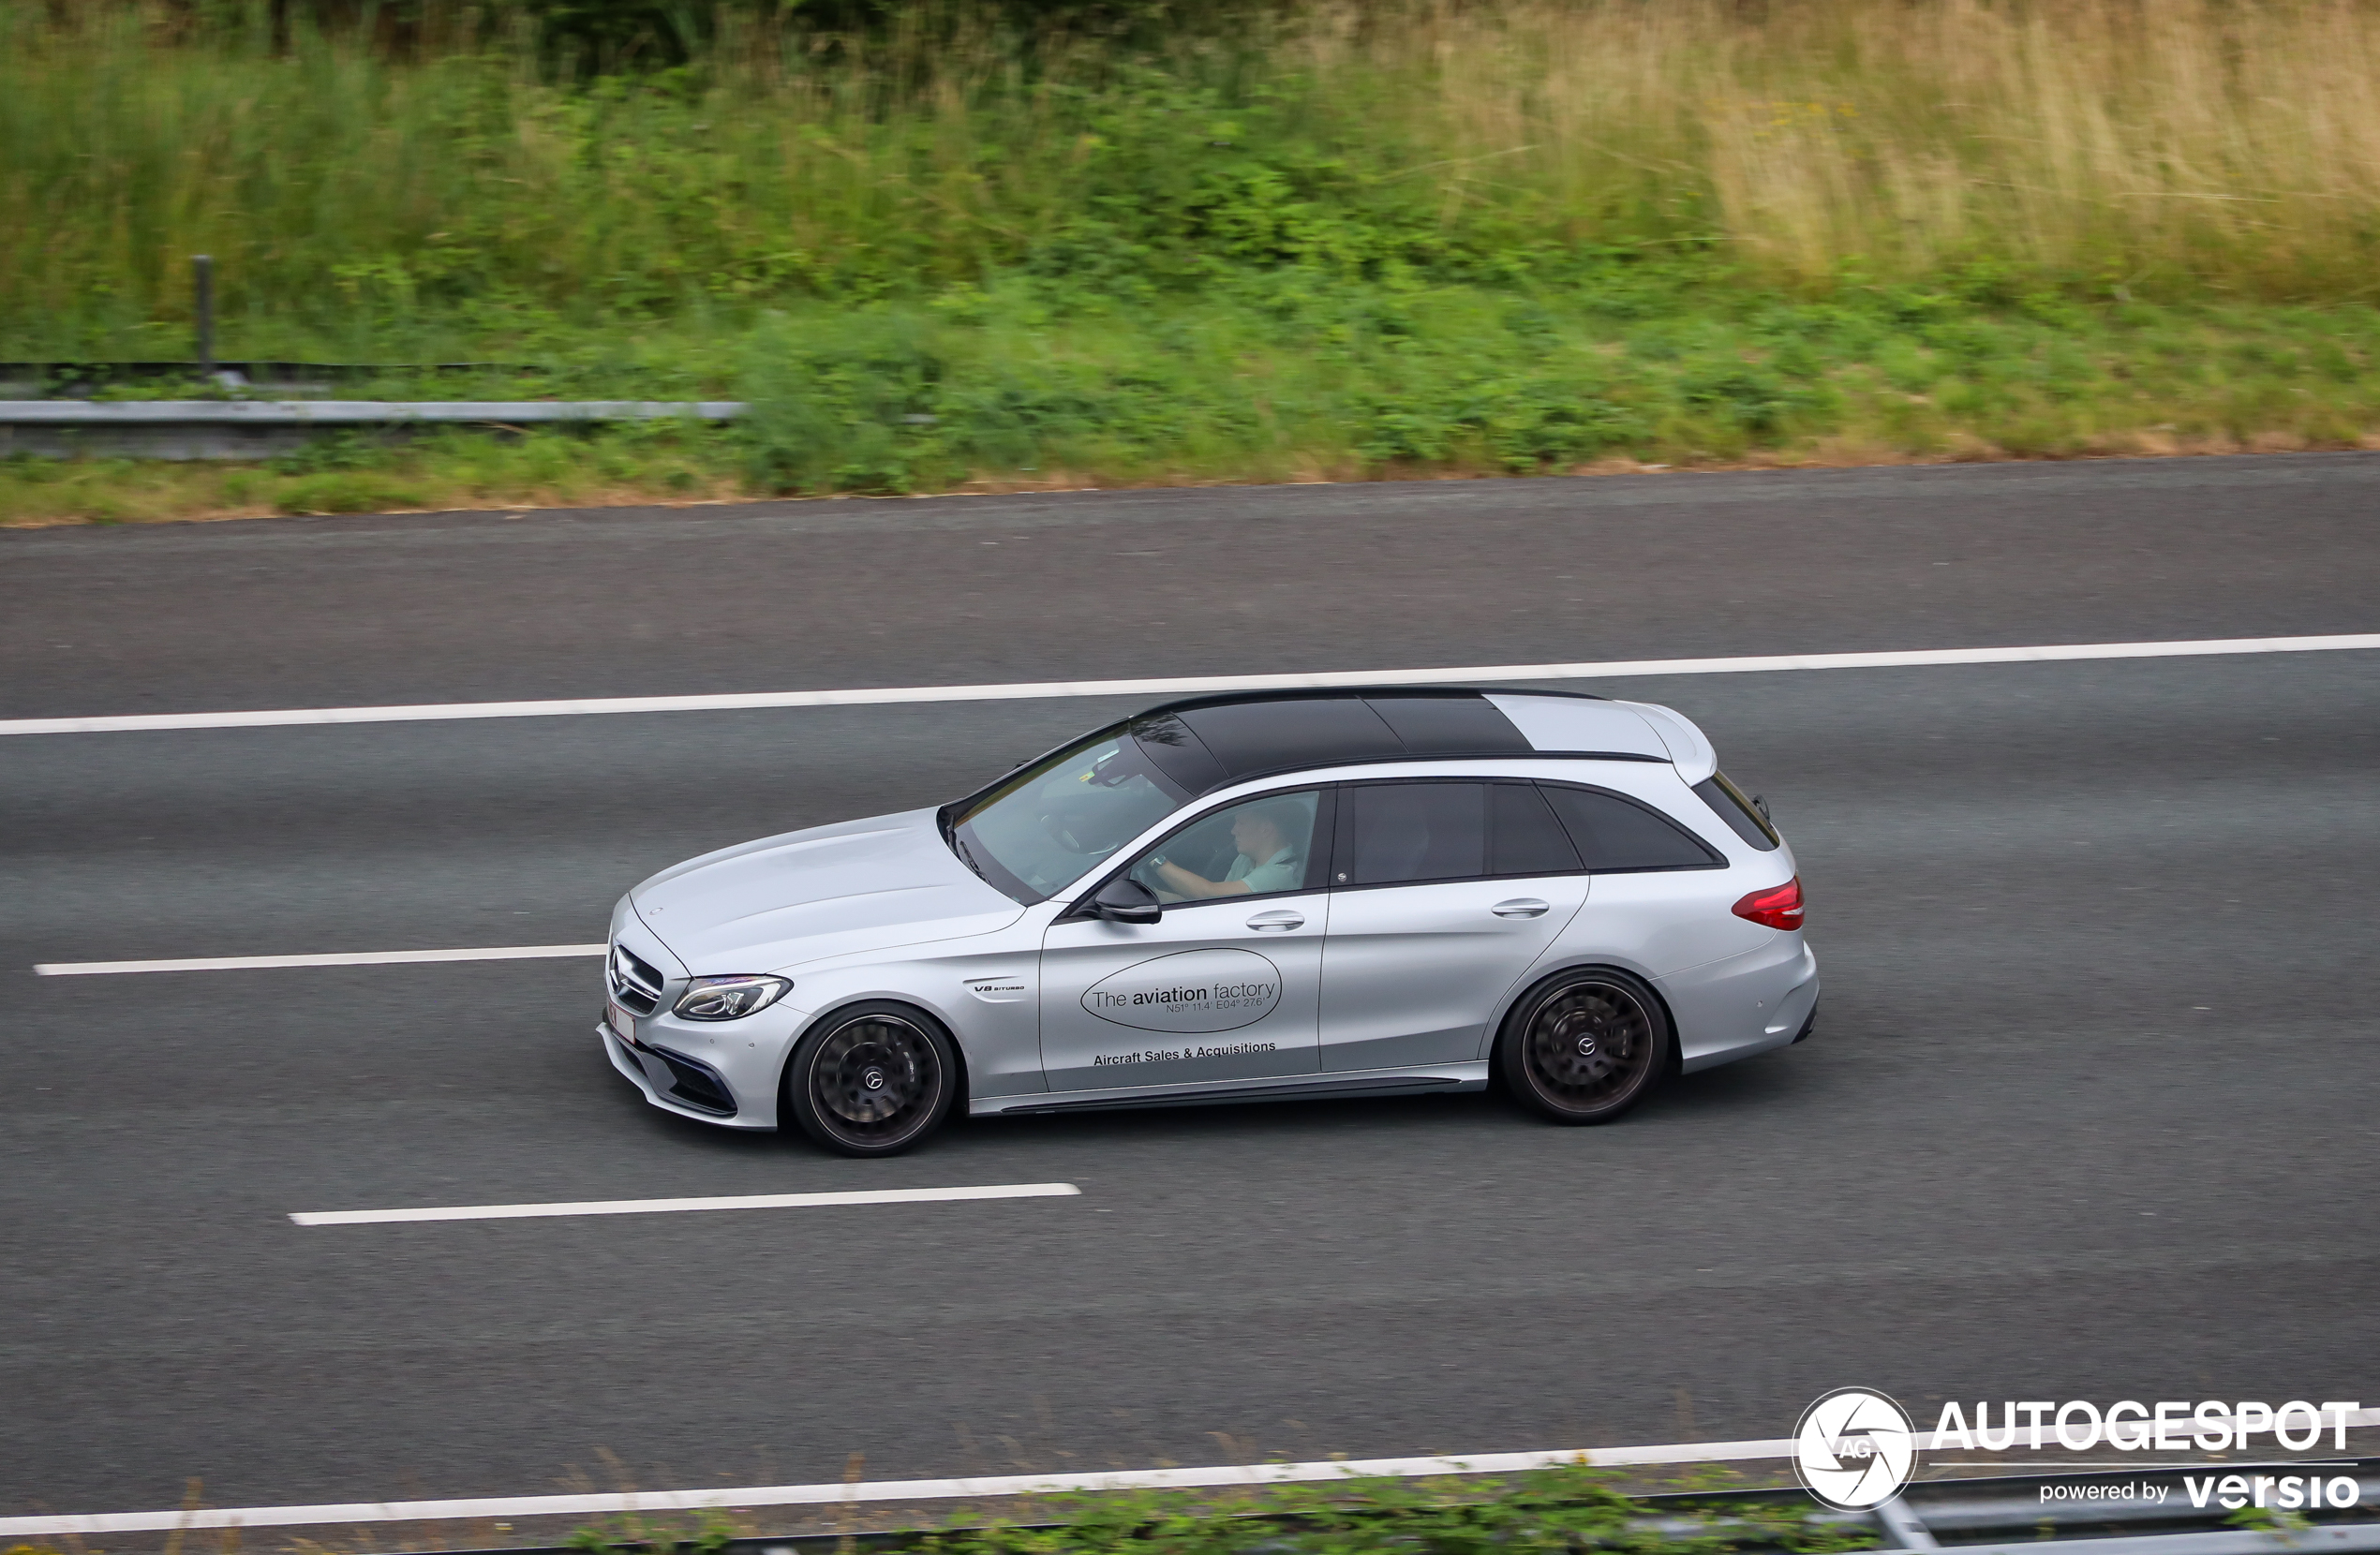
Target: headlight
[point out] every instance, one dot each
(727, 998)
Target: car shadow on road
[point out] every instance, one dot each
(1767, 1082)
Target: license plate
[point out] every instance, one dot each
(623, 1023)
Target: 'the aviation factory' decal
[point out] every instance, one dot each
(1192, 990)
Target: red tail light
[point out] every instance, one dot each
(1779, 907)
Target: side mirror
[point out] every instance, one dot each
(1125, 901)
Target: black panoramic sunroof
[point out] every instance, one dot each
(1450, 726)
(1265, 736)
(1230, 740)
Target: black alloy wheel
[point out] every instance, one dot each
(872, 1080)
(1586, 1048)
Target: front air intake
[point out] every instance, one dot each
(696, 1083)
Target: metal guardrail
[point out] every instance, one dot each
(2321, 1540)
(1977, 1516)
(1996, 1516)
(249, 429)
(27, 381)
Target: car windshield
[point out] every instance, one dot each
(1048, 826)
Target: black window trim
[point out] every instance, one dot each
(1324, 827)
(1333, 817)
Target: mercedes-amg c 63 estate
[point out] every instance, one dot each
(1234, 899)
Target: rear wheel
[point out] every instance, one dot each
(1586, 1047)
(874, 1079)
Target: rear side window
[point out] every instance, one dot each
(1403, 832)
(1742, 816)
(1616, 836)
(1524, 837)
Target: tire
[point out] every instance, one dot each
(1584, 1046)
(872, 1079)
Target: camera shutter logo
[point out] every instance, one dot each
(1854, 1449)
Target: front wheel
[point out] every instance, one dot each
(872, 1080)
(1586, 1047)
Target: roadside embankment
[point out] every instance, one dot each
(1313, 243)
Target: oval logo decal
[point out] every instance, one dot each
(1191, 991)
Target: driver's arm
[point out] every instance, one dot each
(1198, 886)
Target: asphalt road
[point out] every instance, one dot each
(2090, 1112)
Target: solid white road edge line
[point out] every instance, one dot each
(915, 1490)
(1618, 668)
(336, 959)
(1184, 686)
(665, 1206)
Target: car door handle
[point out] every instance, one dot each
(1522, 907)
(1279, 918)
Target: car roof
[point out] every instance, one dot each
(1207, 743)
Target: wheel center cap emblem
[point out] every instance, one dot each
(1587, 1047)
(874, 1079)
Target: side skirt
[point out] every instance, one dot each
(1375, 1082)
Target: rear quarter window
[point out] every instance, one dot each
(1618, 836)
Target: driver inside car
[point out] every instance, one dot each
(1269, 860)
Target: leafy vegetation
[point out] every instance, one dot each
(946, 245)
(1000, 389)
(1563, 1510)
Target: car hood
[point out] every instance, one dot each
(829, 891)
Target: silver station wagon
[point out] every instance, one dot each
(1231, 898)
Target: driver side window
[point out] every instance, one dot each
(1259, 847)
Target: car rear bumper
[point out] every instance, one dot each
(1742, 1005)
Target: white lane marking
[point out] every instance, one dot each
(1184, 686)
(666, 1207)
(915, 1490)
(336, 959)
(1614, 669)
(898, 1490)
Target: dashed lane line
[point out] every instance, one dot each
(667, 1207)
(333, 959)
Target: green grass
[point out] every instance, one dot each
(459, 203)
(1552, 1512)
(1276, 379)
(1401, 239)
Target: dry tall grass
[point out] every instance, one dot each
(2144, 142)
(2166, 146)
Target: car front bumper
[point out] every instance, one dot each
(678, 1082)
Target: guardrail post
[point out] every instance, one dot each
(202, 283)
(1908, 1531)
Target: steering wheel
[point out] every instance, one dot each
(1061, 825)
